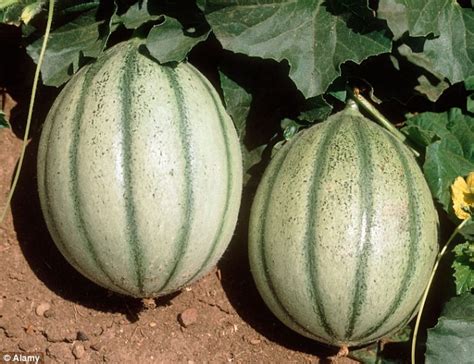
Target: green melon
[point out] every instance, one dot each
(139, 173)
(343, 232)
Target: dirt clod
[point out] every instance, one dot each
(60, 352)
(97, 346)
(55, 333)
(13, 328)
(31, 344)
(188, 317)
(78, 350)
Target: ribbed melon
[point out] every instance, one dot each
(140, 173)
(343, 232)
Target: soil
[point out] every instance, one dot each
(47, 307)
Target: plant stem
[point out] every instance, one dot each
(427, 289)
(30, 109)
(382, 120)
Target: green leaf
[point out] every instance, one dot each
(258, 95)
(314, 36)
(450, 151)
(418, 18)
(315, 109)
(442, 165)
(68, 45)
(464, 267)
(136, 15)
(452, 339)
(395, 350)
(451, 55)
(7, 3)
(3, 120)
(469, 84)
(432, 90)
(468, 229)
(237, 101)
(11, 10)
(169, 42)
(290, 128)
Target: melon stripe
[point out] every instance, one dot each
(188, 203)
(73, 177)
(414, 233)
(126, 95)
(366, 220)
(262, 218)
(312, 268)
(229, 173)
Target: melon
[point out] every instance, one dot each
(343, 232)
(139, 173)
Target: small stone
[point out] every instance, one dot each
(30, 330)
(42, 308)
(188, 317)
(254, 341)
(78, 351)
(49, 314)
(152, 324)
(82, 336)
(343, 351)
(149, 303)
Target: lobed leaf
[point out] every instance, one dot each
(418, 18)
(452, 339)
(464, 267)
(69, 45)
(169, 42)
(314, 36)
(451, 54)
(450, 151)
(137, 15)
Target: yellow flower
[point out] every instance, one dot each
(462, 194)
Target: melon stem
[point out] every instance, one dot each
(365, 104)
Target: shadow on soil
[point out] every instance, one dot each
(243, 295)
